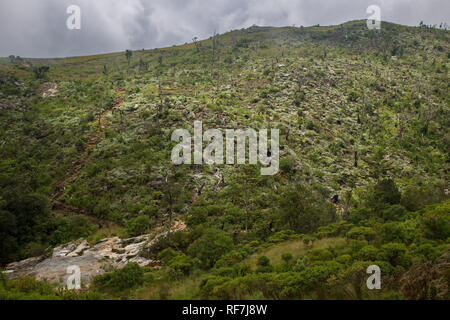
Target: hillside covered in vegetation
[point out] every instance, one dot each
(85, 146)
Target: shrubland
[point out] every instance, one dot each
(363, 164)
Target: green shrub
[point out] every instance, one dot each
(362, 233)
(130, 276)
(368, 253)
(436, 221)
(395, 212)
(320, 255)
(395, 254)
(386, 192)
(287, 165)
(263, 261)
(139, 226)
(167, 254)
(182, 263)
(72, 228)
(287, 257)
(210, 247)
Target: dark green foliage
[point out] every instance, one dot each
(304, 210)
(385, 192)
(394, 212)
(181, 263)
(395, 254)
(139, 225)
(415, 197)
(436, 220)
(287, 257)
(72, 228)
(8, 241)
(210, 247)
(129, 277)
(362, 233)
(40, 71)
(263, 261)
(287, 165)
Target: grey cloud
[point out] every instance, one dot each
(38, 28)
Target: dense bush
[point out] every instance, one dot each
(126, 278)
(210, 247)
(436, 220)
(138, 226)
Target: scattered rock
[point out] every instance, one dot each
(109, 252)
(50, 89)
(84, 245)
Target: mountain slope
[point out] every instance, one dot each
(363, 119)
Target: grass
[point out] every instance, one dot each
(297, 248)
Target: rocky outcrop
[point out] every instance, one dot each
(107, 254)
(49, 89)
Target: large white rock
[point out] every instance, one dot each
(109, 252)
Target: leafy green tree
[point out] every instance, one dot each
(386, 192)
(395, 212)
(362, 233)
(304, 210)
(210, 247)
(173, 193)
(287, 257)
(182, 263)
(139, 225)
(395, 254)
(416, 197)
(355, 275)
(71, 228)
(264, 265)
(436, 220)
(40, 71)
(8, 242)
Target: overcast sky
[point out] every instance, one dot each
(37, 28)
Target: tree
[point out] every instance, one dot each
(304, 210)
(436, 220)
(264, 265)
(39, 72)
(213, 56)
(173, 191)
(388, 192)
(196, 44)
(210, 247)
(241, 189)
(362, 233)
(8, 243)
(384, 194)
(139, 225)
(128, 55)
(355, 275)
(287, 257)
